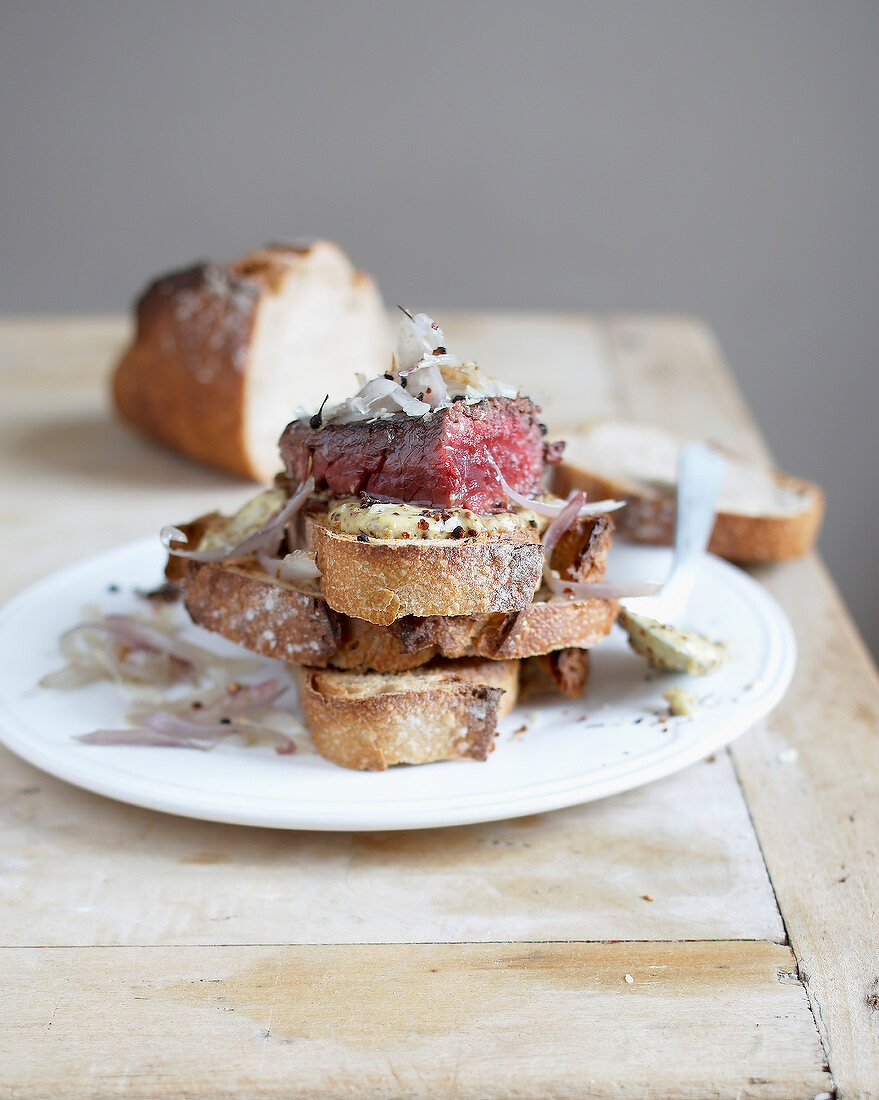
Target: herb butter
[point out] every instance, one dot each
(250, 517)
(389, 520)
(670, 648)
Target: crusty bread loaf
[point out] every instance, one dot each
(222, 354)
(763, 515)
(381, 580)
(275, 619)
(371, 721)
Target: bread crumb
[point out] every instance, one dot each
(681, 702)
(629, 979)
(648, 897)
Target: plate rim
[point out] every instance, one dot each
(450, 810)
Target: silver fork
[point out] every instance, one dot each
(701, 474)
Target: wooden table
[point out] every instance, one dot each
(714, 934)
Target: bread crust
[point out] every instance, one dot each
(183, 380)
(649, 517)
(369, 722)
(267, 616)
(385, 579)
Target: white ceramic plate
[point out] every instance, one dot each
(550, 753)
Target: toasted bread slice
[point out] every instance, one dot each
(763, 515)
(371, 721)
(270, 617)
(277, 620)
(565, 670)
(381, 580)
(221, 355)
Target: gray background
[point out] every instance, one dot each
(719, 159)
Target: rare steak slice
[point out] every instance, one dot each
(444, 459)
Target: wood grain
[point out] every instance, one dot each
(495, 1020)
(120, 873)
(811, 771)
(121, 916)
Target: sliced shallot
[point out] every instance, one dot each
(297, 567)
(175, 735)
(126, 649)
(130, 650)
(150, 737)
(546, 508)
(560, 524)
(191, 724)
(584, 590)
(425, 378)
(418, 335)
(602, 590)
(368, 401)
(267, 538)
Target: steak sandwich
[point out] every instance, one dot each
(409, 560)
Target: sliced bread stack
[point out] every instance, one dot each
(424, 675)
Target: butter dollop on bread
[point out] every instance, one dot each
(762, 514)
(222, 353)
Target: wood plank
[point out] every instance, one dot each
(817, 817)
(560, 358)
(811, 771)
(578, 874)
(687, 843)
(64, 449)
(696, 1020)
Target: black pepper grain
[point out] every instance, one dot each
(363, 538)
(317, 419)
